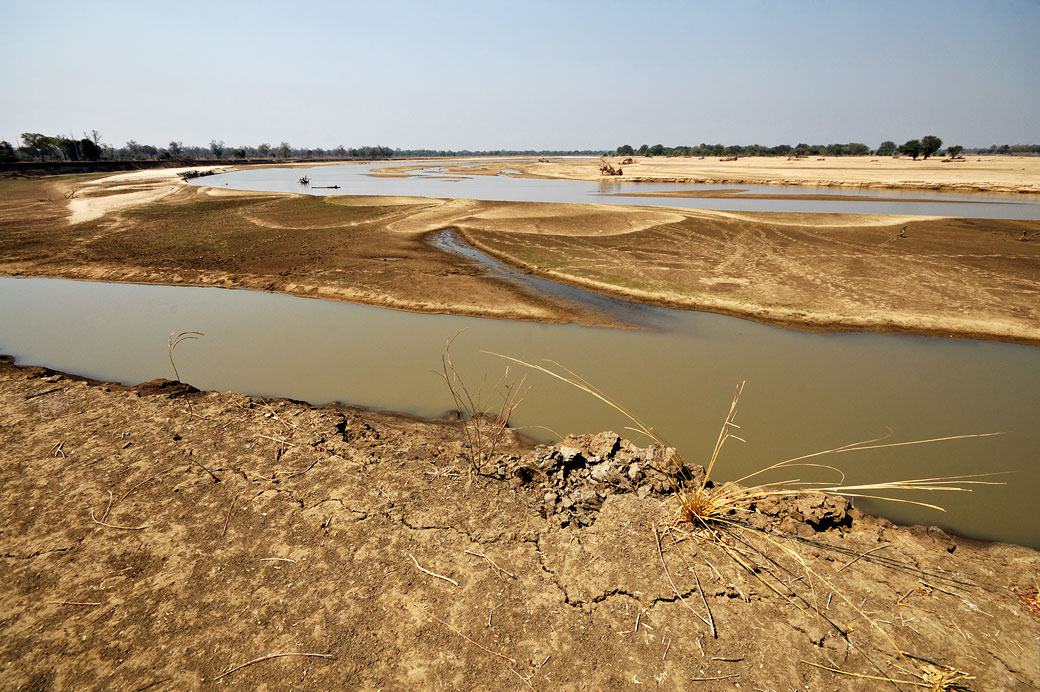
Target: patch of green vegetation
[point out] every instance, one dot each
(612, 279)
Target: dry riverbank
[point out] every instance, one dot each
(997, 174)
(163, 538)
(952, 277)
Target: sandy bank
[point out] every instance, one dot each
(1006, 174)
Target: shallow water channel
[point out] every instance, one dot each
(805, 392)
(356, 179)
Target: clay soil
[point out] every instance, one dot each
(160, 538)
(942, 276)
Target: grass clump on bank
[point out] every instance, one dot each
(720, 515)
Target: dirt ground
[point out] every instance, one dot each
(951, 277)
(158, 538)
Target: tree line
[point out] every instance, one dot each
(926, 146)
(39, 147)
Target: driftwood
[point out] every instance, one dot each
(188, 175)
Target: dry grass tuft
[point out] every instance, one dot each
(715, 513)
(701, 501)
(484, 422)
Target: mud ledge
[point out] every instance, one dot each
(159, 536)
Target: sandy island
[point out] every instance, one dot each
(885, 273)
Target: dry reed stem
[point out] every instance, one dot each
(71, 603)
(939, 680)
(268, 658)
(432, 574)
(471, 641)
(660, 553)
(497, 570)
(174, 341)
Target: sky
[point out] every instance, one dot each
(526, 74)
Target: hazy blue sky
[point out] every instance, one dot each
(529, 74)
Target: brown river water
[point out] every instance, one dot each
(805, 392)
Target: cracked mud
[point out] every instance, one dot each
(156, 537)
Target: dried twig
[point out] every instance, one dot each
(268, 658)
(216, 479)
(145, 482)
(474, 643)
(432, 574)
(711, 618)
(497, 569)
(228, 517)
(71, 603)
(105, 515)
(278, 440)
(862, 555)
(718, 677)
(44, 393)
(113, 526)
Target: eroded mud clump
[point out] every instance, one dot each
(577, 475)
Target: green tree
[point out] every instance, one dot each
(887, 148)
(7, 152)
(264, 150)
(284, 150)
(911, 147)
(642, 149)
(37, 146)
(625, 150)
(655, 150)
(954, 151)
(175, 149)
(217, 148)
(88, 150)
(929, 145)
